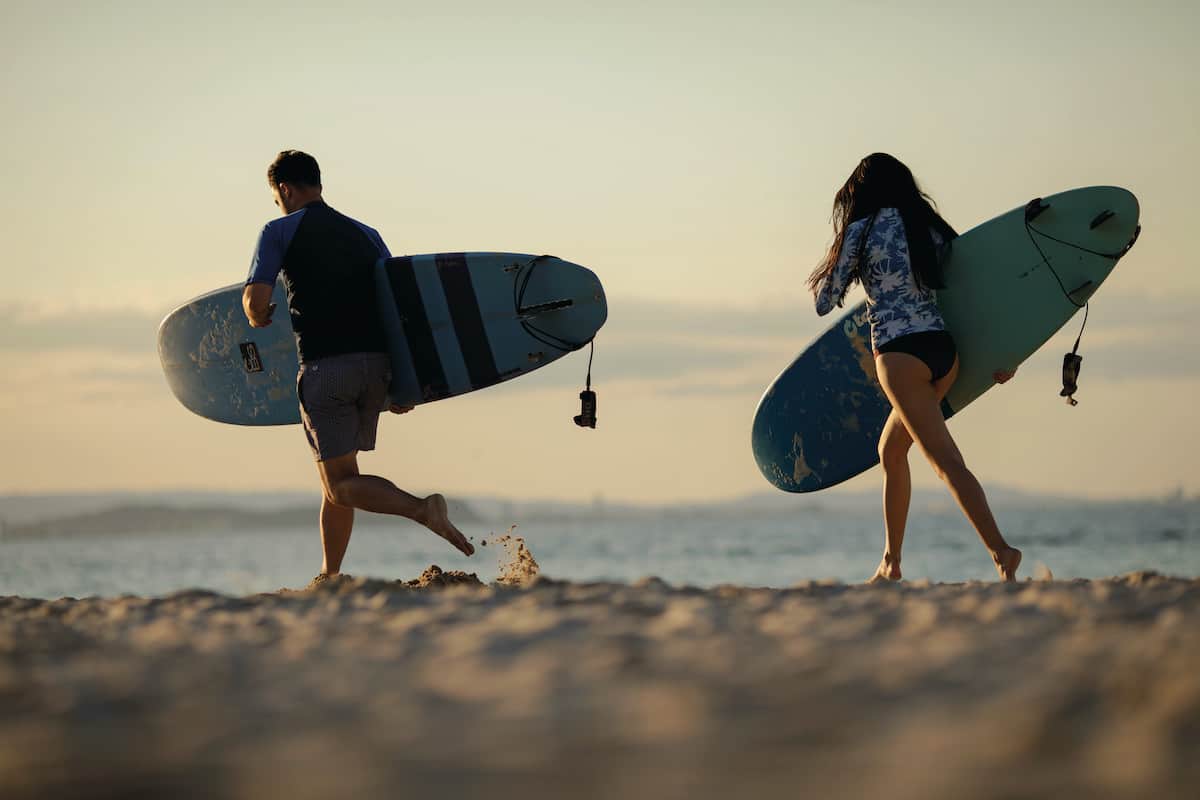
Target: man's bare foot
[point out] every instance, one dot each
(1007, 561)
(437, 519)
(888, 570)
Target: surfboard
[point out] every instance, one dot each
(456, 323)
(1011, 283)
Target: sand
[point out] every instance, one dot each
(445, 686)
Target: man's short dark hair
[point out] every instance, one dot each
(294, 167)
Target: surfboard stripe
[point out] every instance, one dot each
(404, 375)
(438, 311)
(468, 321)
(428, 364)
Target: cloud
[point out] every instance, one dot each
(659, 360)
(1143, 311)
(656, 318)
(1144, 357)
(686, 350)
(115, 330)
(673, 348)
(750, 388)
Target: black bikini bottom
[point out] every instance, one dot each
(935, 348)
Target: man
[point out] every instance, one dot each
(327, 260)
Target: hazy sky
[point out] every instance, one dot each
(688, 153)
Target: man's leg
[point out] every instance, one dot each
(336, 524)
(345, 486)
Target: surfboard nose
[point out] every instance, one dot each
(562, 300)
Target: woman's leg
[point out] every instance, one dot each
(906, 381)
(894, 444)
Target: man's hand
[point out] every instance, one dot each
(264, 321)
(1003, 375)
(256, 302)
(397, 409)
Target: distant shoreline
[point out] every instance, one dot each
(100, 514)
(137, 519)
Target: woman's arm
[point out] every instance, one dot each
(832, 289)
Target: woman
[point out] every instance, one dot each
(888, 237)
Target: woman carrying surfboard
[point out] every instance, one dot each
(889, 238)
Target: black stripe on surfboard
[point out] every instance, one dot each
(468, 321)
(431, 376)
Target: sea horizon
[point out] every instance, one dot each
(237, 543)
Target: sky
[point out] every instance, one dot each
(687, 153)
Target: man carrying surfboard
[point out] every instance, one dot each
(887, 236)
(326, 260)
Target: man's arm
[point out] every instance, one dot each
(375, 238)
(256, 302)
(264, 269)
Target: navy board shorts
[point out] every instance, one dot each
(341, 398)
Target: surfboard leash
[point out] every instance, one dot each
(586, 418)
(1072, 361)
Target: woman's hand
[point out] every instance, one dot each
(398, 409)
(1003, 375)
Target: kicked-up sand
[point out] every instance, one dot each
(446, 687)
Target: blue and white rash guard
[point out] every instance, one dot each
(897, 304)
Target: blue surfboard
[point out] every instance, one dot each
(1011, 283)
(456, 323)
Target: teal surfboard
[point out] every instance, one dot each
(456, 323)
(1011, 283)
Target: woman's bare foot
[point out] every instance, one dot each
(320, 580)
(887, 571)
(437, 519)
(1007, 561)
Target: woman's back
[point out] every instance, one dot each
(897, 304)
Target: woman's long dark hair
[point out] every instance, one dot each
(882, 181)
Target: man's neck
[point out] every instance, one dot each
(301, 200)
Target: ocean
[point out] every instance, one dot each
(683, 547)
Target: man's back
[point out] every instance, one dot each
(327, 261)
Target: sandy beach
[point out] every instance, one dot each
(445, 686)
